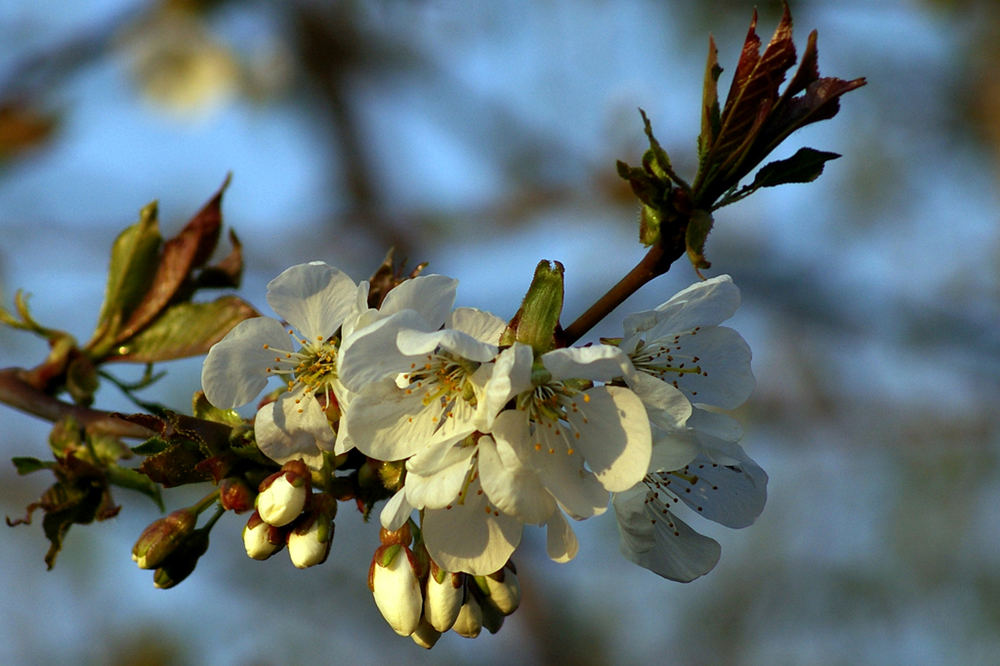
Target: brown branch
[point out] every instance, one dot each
(656, 262)
(17, 392)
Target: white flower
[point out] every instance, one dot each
(419, 390)
(722, 484)
(582, 441)
(315, 299)
(680, 347)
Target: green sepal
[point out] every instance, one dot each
(536, 322)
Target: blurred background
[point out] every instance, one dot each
(481, 137)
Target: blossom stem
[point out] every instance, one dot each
(656, 262)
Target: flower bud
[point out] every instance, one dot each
(470, 618)
(443, 601)
(396, 588)
(162, 536)
(262, 540)
(310, 539)
(181, 562)
(503, 589)
(425, 636)
(283, 494)
(235, 494)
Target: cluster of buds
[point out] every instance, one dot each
(289, 513)
(172, 545)
(421, 600)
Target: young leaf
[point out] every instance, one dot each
(709, 102)
(697, 232)
(804, 166)
(181, 255)
(185, 329)
(133, 262)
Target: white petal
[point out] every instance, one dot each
(706, 303)
(235, 370)
(430, 295)
(415, 343)
(396, 511)
(659, 541)
(442, 488)
(388, 424)
(615, 437)
(283, 433)
(370, 353)
(471, 537)
(515, 490)
(560, 541)
(314, 298)
(732, 495)
(511, 375)
(665, 405)
(672, 450)
(713, 424)
(481, 325)
(725, 379)
(598, 363)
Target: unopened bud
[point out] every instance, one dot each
(396, 588)
(470, 618)
(283, 495)
(162, 536)
(502, 589)
(182, 561)
(425, 636)
(310, 539)
(443, 601)
(262, 540)
(235, 494)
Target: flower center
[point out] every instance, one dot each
(666, 489)
(442, 382)
(666, 360)
(555, 411)
(313, 368)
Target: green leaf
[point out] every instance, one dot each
(134, 258)
(151, 446)
(804, 166)
(126, 477)
(26, 465)
(185, 329)
(697, 232)
(203, 409)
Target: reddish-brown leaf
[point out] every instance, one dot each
(183, 253)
